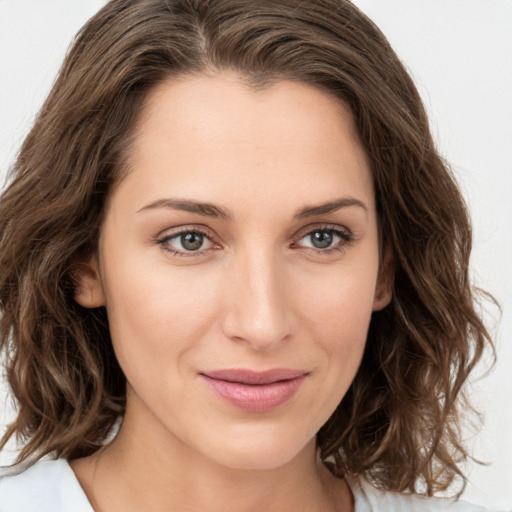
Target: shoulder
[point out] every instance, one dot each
(49, 486)
(370, 499)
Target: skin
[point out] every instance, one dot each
(257, 294)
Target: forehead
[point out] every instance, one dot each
(224, 106)
(211, 135)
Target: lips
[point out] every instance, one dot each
(255, 391)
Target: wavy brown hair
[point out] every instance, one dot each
(399, 423)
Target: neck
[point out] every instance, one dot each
(149, 469)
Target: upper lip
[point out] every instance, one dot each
(245, 376)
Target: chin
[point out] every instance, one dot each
(253, 451)
(258, 460)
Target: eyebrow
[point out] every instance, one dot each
(205, 209)
(214, 211)
(330, 207)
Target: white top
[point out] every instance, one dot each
(51, 486)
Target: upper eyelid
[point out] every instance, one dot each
(207, 232)
(164, 237)
(301, 233)
(187, 228)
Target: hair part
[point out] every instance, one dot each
(399, 422)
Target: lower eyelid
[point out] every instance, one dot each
(345, 236)
(164, 242)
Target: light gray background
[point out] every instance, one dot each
(460, 54)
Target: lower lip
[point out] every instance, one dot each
(255, 398)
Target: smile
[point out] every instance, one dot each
(255, 391)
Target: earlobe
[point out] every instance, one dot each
(385, 281)
(89, 288)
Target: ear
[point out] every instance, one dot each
(385, 280)
(89, 288)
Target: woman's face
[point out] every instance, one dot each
(239, 265)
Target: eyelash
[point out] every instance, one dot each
(345, 235)
(195, 230)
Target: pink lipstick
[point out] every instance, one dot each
(255, 391)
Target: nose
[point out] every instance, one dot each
(257, 309)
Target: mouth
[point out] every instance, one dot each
(255, 391)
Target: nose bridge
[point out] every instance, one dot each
(258, 309)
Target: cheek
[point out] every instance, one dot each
(335, 314)
(156, 314)
(337, 306)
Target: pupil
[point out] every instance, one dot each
(321, 239)
(192, 241)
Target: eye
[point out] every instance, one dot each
(189, 241)
(325, 239)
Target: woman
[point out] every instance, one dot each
(230, 227)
